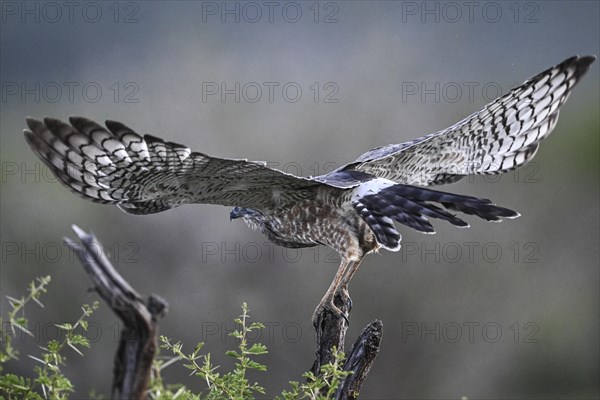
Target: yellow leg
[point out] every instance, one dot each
(350, 271)
(327, 301)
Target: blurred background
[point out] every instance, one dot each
(495, 311)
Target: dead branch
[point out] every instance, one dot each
(138, 342)
(331, 335)
(359, 360)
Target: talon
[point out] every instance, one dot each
(345, 316)
(317, 317)
(344, 295)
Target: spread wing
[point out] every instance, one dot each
(500, 137)
(144, 175)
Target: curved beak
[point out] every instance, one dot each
(236, 213)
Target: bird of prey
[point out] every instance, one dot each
(352, 209)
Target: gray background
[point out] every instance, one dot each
(527, 288)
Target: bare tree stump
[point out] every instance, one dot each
(138, 342)
(331, 335)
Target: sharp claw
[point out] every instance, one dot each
(345, 297)
(329, 306)
(345, 316)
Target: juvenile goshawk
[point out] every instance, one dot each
(351, 210)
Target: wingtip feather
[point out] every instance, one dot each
(34, 124)
(76, 120)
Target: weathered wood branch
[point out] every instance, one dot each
(359, 360)
(331, 334)
(138, 342)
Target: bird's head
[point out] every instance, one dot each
(251, 217)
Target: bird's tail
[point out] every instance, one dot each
(413, 206)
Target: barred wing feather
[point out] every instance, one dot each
(145, 175)
(500, 137)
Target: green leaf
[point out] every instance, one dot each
(254, 365)
(256, 325)
(79, 340)
(257, 348)
(65, 326)
(237, 334)
(233, 353)
(53, 346)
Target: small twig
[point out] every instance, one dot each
(138, 344)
